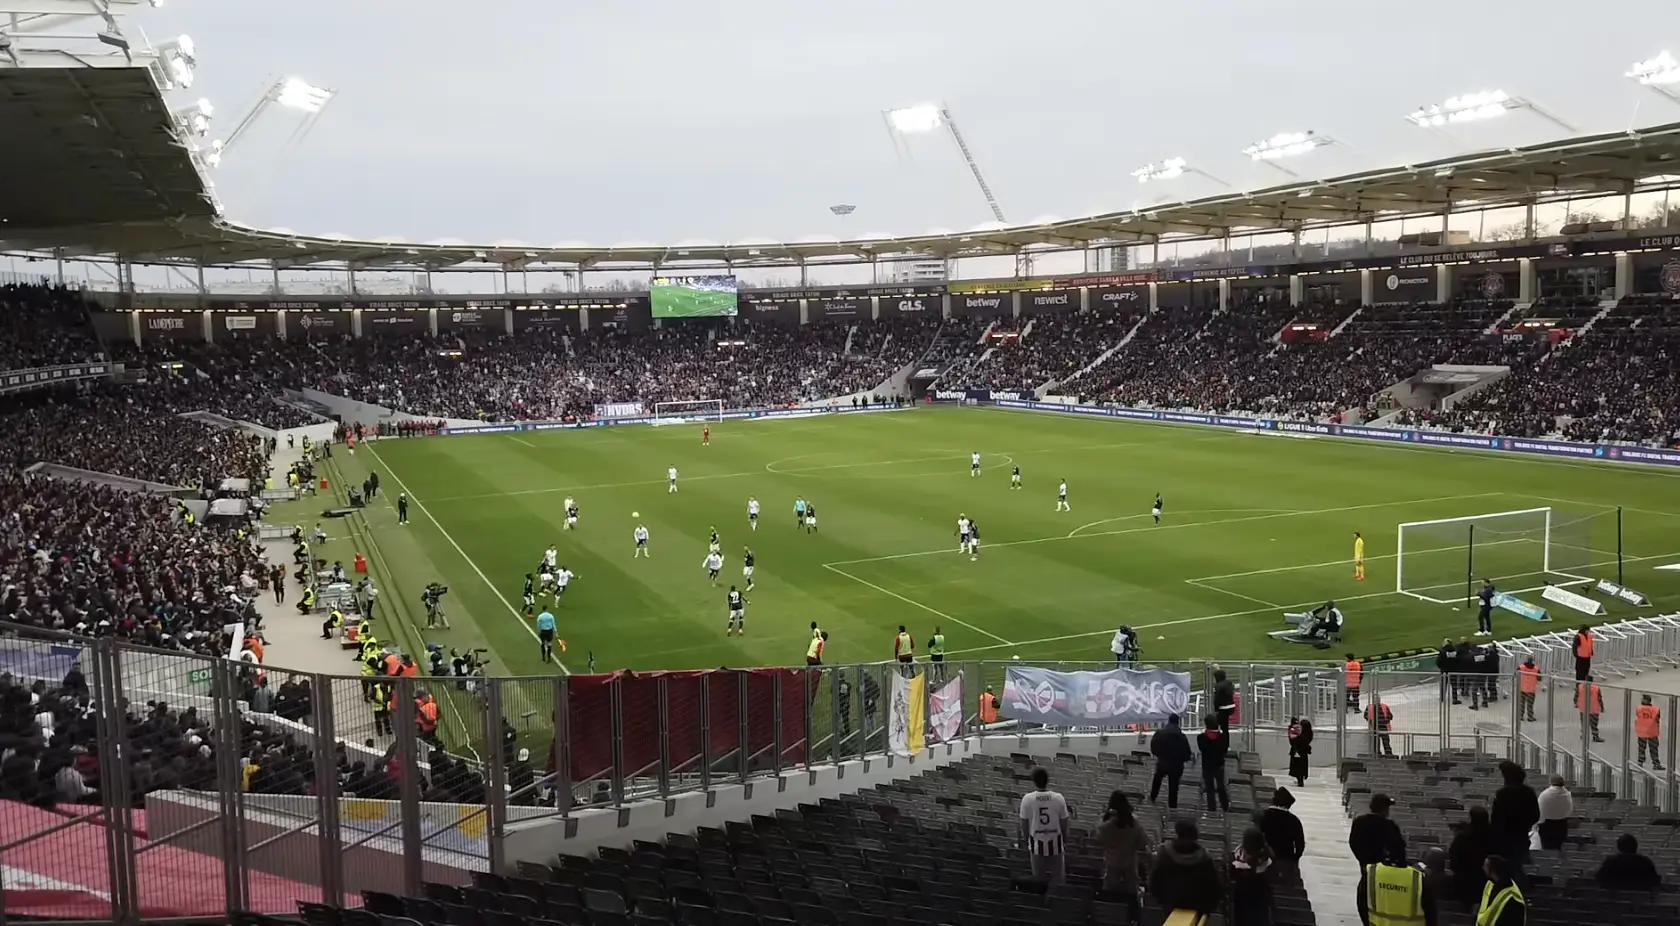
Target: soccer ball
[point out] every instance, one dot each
(635, 514)
(1016, 657)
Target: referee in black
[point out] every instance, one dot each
(402, 507)
(1484, 617)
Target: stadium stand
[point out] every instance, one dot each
(42, 325)
(1052, 348)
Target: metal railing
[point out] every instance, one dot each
(206, 785)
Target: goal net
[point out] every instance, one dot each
(688, 411)
(1444, 561)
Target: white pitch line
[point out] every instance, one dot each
(1226, 591)
(1348, 560)
(521, 440)
(1600, 505)
(517, 617)
(1168, 527)
(1133, 517)
(912, 601)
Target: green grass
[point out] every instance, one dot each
(1257, 522)
(687, 302)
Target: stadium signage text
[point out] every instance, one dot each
(1607, 587)
(1573, 600)
(17, 380)
(240, 322)
(912, 305)
(1115, 698)
(167, 323)
(729, 414)
(1508, 602)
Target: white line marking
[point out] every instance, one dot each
(1226, 591)
(517, 617)
(1133, 517)
(912, 601)
(1169, 527)
(521, 440)
(1599, 505)
(1348, 560)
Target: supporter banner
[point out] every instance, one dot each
(945, 712)
(375, 324)
(1112, 279)
(777, 313)
(895, 306)
(546, 320)
(1053, 301)
(17, 380)
(174, 325)
(468, 319)
(1114, 698)
(1124, 298)
(836, 309)
(1407, 284)
(1556, 448)
(983, 305)
(730, 414)
(317, 324)
(907, 715)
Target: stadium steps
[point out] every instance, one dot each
(1494, 326)
(1101, 358)
(851, 333)
(1347, 321)
(1604, 310)
(1328, 870)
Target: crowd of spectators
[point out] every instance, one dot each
(1051, 348)
(44, 325)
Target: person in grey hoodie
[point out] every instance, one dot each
(1185, 877)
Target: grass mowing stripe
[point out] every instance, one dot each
(887, 591)
(518, 618)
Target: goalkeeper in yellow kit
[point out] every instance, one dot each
(1358, 556)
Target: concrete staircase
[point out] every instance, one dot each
(1328, 869)
(1101, 358)
(1346, 321)
(851, 333)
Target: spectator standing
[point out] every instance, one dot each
(1184, 877)
(1381, 718)
(1283, 830)
(1528, 687)
(1557, 805)
(1484, 613)
(1582, 647)
(1044, 826)
(1626, 869)
(1647, 725)
(1446, 662)
(1470, 848)
(1171, 749)
(1300, 749)
(1590, 702)
(1516, 810)
(1251, 881)
(1437, 883)
(1214, 745)
(1374, 838)
(1224, 700)
(1125, 852)
(1502, 901)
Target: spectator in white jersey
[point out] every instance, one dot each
(1044, 829)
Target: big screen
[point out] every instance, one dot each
(693, 297)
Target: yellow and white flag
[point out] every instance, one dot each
(907, 721)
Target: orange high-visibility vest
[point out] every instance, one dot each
(1583, 646)
(1597, 706)
(393, 664)
(1355, 671)
(1530, 680)
(988, 708)
(427, 716)
(1647, 720)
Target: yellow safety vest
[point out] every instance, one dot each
(1493, 905)
(1394, 895)
(337, 618)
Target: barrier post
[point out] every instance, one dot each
(496, 788)
(562, 751)
(706, 732)
(330, 842)
(663, 683)
(615, 697)
(743, 749)
(408, 785)
(229, 724)
(776, 722)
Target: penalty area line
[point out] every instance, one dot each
(911, 601)
(517, 617)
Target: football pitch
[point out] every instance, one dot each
(693, 302)
(1253, 525)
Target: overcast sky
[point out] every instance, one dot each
(553, 121)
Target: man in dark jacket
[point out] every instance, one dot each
(1516, 809)
(1224, 700)
(1627, 869)
(1213, 744)
(1283, 829)
(1375, 838)
(1171, 750)
(1184, 877)
(1446, 662)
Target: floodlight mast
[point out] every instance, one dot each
(288, 92)
(928, 117)
(1661, 73)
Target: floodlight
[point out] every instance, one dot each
(842, 209)
(196, 118)
(1285, 145)
(179, 58)
(213, 157)
(1470, 107)
(1166, 170)
(297, 93)
(915, 120)
(1656, 71)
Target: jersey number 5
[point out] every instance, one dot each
(1043, 816)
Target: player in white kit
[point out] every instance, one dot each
(752, 512)
(642, 543)
(965, 529)
(1061, 497)
(974, 464)
(670, 479)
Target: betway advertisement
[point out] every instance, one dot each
(983, 305)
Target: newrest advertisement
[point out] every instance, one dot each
(243, 324)
(983, 305)
(1051, 301)
(693, 296)
(1114, 698)
(1404, 284)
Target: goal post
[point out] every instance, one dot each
(1444, 560)
(688, 411)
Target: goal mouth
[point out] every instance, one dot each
(1445, 561)
(688, 411)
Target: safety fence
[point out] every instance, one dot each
(151, 784)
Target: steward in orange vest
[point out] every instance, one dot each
(1528, 685)
(1647, 726)
(1355, 675)
(1590, 701)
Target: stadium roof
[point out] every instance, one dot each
(93, 167)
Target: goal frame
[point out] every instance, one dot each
(705, 410)
(1545, 571)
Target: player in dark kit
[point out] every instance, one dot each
(747, 563)
(530, 593)
(1156, 511)
(737, 613)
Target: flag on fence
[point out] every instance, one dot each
(945, 711)
(907, 721)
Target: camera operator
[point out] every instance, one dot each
(432, 598)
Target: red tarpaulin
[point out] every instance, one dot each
(590, 717)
